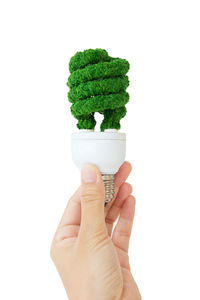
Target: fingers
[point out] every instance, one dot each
(92, 201)
(122, 174)
(69, 225)
(124, 191)
(71, 219)
(122, 231)
(72, 213)
(120, 177)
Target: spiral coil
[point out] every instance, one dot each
(98, 83)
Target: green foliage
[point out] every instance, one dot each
(98, 83)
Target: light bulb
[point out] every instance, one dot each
(98, 83)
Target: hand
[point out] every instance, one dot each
(92, 261)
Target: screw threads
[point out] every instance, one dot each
(108, 180)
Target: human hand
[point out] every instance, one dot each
(92, 258)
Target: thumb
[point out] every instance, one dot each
(92, 200)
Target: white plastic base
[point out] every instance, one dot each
(106, 150)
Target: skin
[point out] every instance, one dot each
(90, 255)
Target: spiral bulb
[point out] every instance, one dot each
(98, 83)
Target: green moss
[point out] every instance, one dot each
(98, 84)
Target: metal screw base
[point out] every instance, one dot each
(108, 180)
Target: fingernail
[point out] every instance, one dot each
(89, 174)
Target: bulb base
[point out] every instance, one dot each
(108, 180)
(106, 150)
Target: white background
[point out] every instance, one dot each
(161, 40)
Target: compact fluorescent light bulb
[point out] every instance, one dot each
(98, 83)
